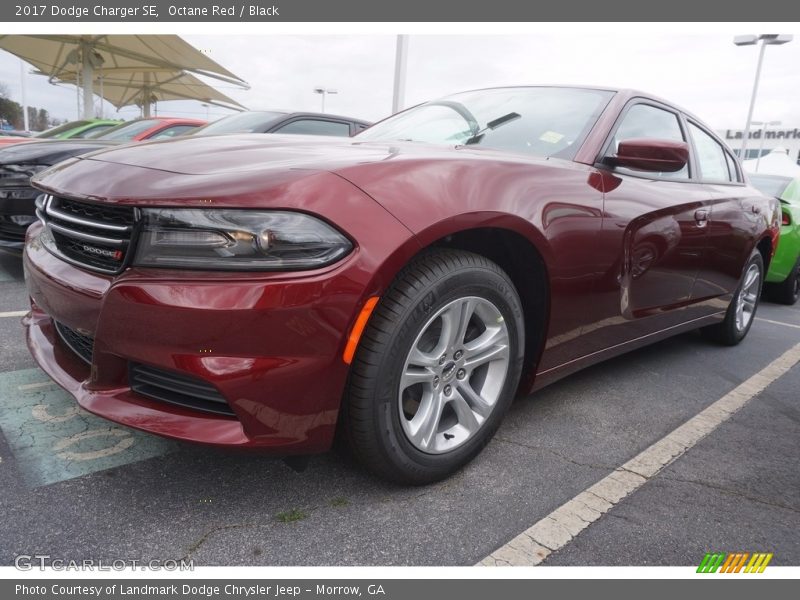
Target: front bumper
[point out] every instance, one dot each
(270, 343)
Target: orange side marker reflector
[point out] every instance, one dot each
(358, 329)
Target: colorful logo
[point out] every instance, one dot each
(734, 562)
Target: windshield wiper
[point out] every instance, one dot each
(491, 126)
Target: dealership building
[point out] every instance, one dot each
(763, 142)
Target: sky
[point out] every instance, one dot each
(705, 74)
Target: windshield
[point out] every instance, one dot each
(127, 131)
(770, 185)
(246, 122)
(547, 121)
(54, 131)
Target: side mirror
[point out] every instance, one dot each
(663, 156)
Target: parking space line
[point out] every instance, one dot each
(778, 322)
(566, 522)
(14, 313)
(35, 386)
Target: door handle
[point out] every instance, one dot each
(753, 208)
(701, 217)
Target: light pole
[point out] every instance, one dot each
(324, 92)
(400, 68)
(766, 39)
(764, 126)
(25, 123)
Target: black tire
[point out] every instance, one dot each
(371, 413)
(727, 332)
(788, 291)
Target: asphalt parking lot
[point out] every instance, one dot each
(75, 486)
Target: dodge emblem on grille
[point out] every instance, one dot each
(115, 254)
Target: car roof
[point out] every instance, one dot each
(293, 114)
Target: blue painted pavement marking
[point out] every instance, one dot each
(53, 439)
(5, 275)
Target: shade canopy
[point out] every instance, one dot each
(80, 59)
(777, 162)
(124, 88)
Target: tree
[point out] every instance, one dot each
(10, 112)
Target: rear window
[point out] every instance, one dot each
(62, 129)
(315, 127)
(246, 122)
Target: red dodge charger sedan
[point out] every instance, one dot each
(403, 285)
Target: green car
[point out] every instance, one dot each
(85, 128)
(783, 277)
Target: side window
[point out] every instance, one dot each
(171, 132)
(712, 159)
(645, 121)
(315, 127)
(732, 167)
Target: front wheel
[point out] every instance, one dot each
(436, 369)
(742, 309)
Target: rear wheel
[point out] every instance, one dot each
(788, 291)
(436, 369)
(742, 309)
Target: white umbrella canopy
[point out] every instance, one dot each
(776, 162)
(123, 87)
(76, 58)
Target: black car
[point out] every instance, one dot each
(18, 163)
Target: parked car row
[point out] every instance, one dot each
(20, 162)
(84, 128)
(399, 287)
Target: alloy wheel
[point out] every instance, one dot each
(453, 375)
(747, 299)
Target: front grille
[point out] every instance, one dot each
(177, 388)
(80, 344)
(10, 231)
(96, 236)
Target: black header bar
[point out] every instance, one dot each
(441, 11)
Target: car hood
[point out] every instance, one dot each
(232, 154)
(49, 152)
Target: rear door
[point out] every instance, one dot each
(733, 221)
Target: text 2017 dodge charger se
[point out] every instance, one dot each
(257, 291)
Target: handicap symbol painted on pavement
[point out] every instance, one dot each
(53, 439)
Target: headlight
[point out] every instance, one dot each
(237, 240)
(22, 220)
